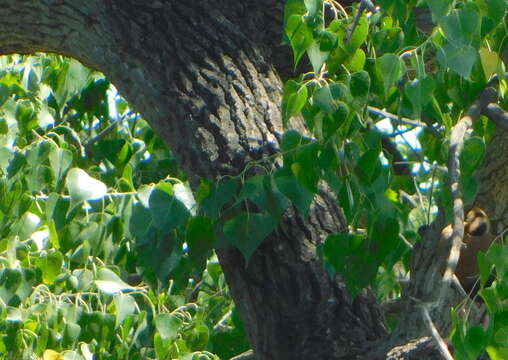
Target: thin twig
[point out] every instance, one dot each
(378, 112)
(441, 345)
(105, 132)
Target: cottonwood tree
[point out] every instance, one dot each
(213, 79)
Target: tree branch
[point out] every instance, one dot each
(443, 349)
(498, 115)
(456, 145)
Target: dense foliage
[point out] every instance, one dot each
(106, 253)
(92, 229)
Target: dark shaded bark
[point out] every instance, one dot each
(206, 74)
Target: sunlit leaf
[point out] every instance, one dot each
(50, 265)
(109, 282)
(83, 187)
(52, 355)
(490, 62)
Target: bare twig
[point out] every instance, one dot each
(441, 345)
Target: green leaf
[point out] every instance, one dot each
(168, 325)
(497, 353)
(162, 346)
(385, 233)
(293, 7)
(349, 257)
(490, 62)
(461, 27)
(56, 210)
(327, 41)
(50, 265)
(317, 56)
(184, 194)
(359, 35)
(140, 221)
(357, 62)
(420, 93)
(198, 338)
(216, 196)
(28, 223)
(294, 191)
(16, 164)
(476, 340)
(84, 278)
(125, 305)
(45, 117)
(5, 92)
(496, 9)
(313, 6)
(53, 235)
(391, 68)
(359, 84)
(331, 124)
(248, 230)
(71, 335)
(324, 99)
(299, 35)
(292, 139)
(293, 100)
(496, 255)
(472, 155)
(200, 238)
(60, 160)
(460, 59)
(72, 77)
(263, 192)
(10, 280)
(439, 8)
(369, 166)
(167, 211)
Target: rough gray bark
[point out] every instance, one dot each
(493, 177)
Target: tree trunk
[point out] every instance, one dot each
(206, 74)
